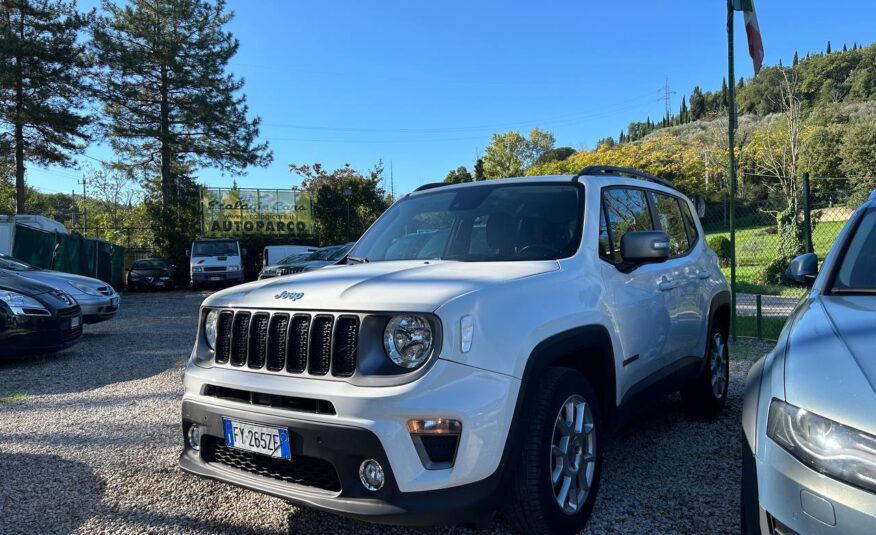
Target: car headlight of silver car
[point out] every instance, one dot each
(407, 340)
(197, 269)
(23, 305)
(211, 328)
(831, 448)
(84, 288)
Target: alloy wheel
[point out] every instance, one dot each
(573, 454)
(718, 363)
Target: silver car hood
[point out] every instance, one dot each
(830, 367)
(409, 285)
(52, 278)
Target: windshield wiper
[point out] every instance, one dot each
(357, 259)
(853, 291)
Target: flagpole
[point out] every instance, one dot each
(731, 127)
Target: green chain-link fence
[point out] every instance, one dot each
(772, 227)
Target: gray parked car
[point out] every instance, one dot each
(327, 256)
(809, 412)
(97, 299)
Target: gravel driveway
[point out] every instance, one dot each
(89, 441)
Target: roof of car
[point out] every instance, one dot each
(599, 180)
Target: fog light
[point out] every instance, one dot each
(371, 475)
(195, 437)
(435, 426)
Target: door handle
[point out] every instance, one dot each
(703, 274)
(665, 286)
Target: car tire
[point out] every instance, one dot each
(557, 456)
(705, 397)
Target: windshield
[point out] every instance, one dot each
(322, 254)
(214, 248)
(292, 258)
(857, 272)
(496, 222)
(7, 262)
(149, 264)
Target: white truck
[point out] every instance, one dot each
(7, 228)
(215, 262)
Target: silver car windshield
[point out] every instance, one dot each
(490, 222)
(857, 271)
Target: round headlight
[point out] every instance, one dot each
(210, 328)
(408, 340)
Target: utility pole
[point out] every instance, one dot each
(84, 211)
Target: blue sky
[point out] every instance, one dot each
(423, 84)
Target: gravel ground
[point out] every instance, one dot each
(89, 440)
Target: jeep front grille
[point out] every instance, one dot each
(297, 343)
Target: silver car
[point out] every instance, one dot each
(97, 299)
(809, 412)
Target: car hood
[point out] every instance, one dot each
(830, 368)
(11, 280)
(58, 279)
(409, 285)
(150, 272)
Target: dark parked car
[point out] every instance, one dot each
(150, 274)
(327, 256)
(35, 318)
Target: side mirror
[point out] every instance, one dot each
(188, 252)
(644, 247)
(803, 269)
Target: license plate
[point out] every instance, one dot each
(215, 278)
(270, 441)
(75, 322)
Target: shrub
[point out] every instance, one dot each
(774, 272)
(721, 246)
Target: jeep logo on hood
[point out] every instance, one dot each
(292, 296)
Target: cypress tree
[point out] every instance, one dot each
(44, 85)
(828, 47)
(479, 170)
(724, 92)
(796, 59)
(845, 48)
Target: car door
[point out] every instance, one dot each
(638, 298)
(683, 300)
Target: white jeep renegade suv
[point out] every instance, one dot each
(484, 341)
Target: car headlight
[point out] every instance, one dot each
(211, 328)
(165, 278)
(829, 447)
(407, 340)
(197, 269)
(233, 268)
(84, 288)
(270, 271)
(23, 305)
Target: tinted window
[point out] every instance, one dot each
(672, 223)
(495, 222)
(857, 271)
(626, 210)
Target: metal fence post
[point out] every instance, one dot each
(807, 212)
(759, 316)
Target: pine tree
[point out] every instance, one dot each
(167, 95)
(828, 47)
(44, 85)
(845, 48)
(683, 118)
(796, 59)
(479, 170)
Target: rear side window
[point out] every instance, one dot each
(626, 210)
(672, 223)
(691, 224)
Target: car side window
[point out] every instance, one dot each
(626, 210)
(692, 234)
(672, 223)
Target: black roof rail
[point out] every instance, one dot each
(614, 170)
(431, 185)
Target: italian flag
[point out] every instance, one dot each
(755, 44)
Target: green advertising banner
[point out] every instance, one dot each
(237, 212)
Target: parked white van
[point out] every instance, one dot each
(215, 262)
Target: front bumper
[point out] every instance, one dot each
(805, 500)
(98, 308)
(370, 422)
(149, 283)
(217, 277)
(34, 335)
